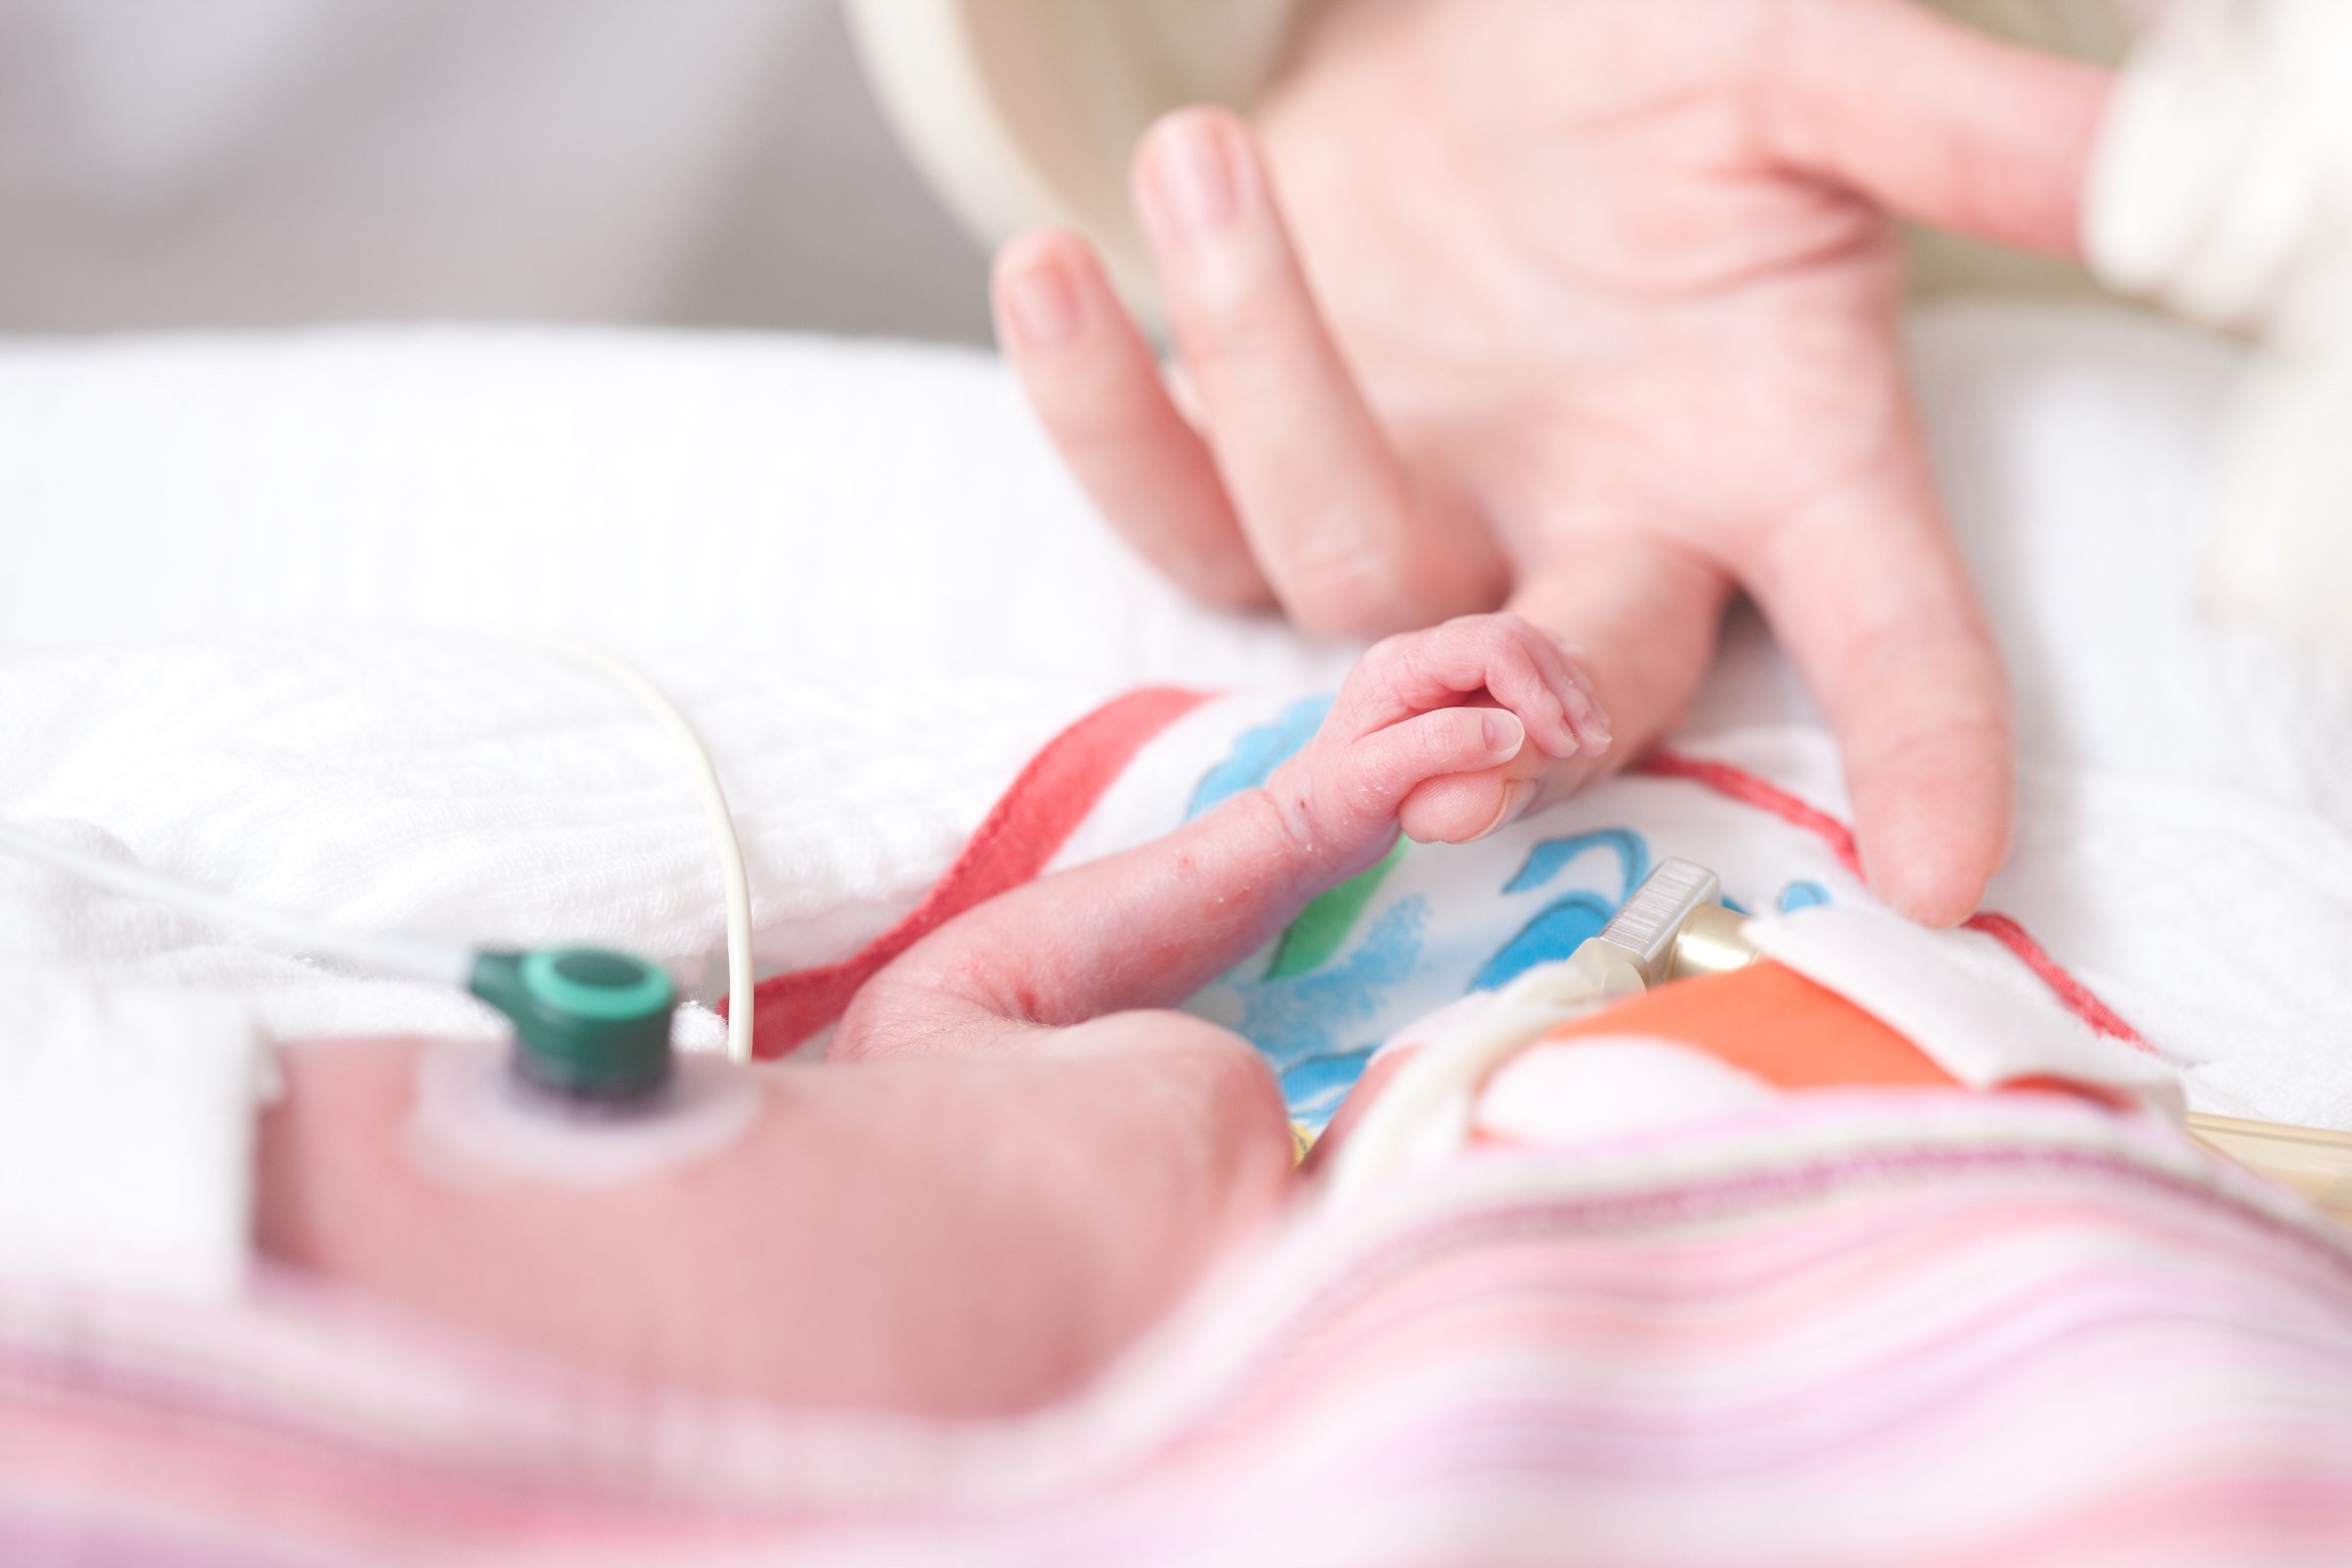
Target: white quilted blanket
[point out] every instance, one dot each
(264, 600)
(269, 604)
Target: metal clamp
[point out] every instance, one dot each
(1675, 926)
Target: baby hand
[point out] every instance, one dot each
(1445, 733)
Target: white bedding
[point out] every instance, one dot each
(855, 564)
(266, 597)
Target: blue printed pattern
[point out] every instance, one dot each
(1443, 922)
(1802, 894)
(1317, 1028)
(1258, 753)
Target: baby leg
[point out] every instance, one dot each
(942, 1232)
(951, 1236)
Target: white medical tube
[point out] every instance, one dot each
(723, 838)
(388, 952)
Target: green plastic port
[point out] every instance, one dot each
(589, 1022)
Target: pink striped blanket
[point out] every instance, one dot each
(1849, 1328)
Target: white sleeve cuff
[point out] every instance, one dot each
(1024, 112)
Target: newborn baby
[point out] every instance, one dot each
(1016, 1160)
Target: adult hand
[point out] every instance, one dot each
(1593, 304)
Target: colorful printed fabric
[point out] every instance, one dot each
(1430, 925)
(1877, 1328)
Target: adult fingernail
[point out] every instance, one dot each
(1192, 177)
(1043, 302)
(1503, 732)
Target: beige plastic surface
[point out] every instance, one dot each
(2314, 1162)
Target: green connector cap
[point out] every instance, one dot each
(588, 1021)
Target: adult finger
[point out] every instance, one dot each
(1099, 393)
(1871, 600)
(1338, 527)
(1643, 613)
(1641, 609)
(1936, 120)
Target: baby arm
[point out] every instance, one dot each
(1442, 734)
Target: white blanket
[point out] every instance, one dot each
(236, 565)
(856, 565)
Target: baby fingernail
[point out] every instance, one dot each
(1592, 725)
(1503, 732)
(1515, 796)
(1042, 304)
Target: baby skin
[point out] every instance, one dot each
(1015, 1160)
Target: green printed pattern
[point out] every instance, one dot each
(1322, 927)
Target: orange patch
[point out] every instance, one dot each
(1774, 1024)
